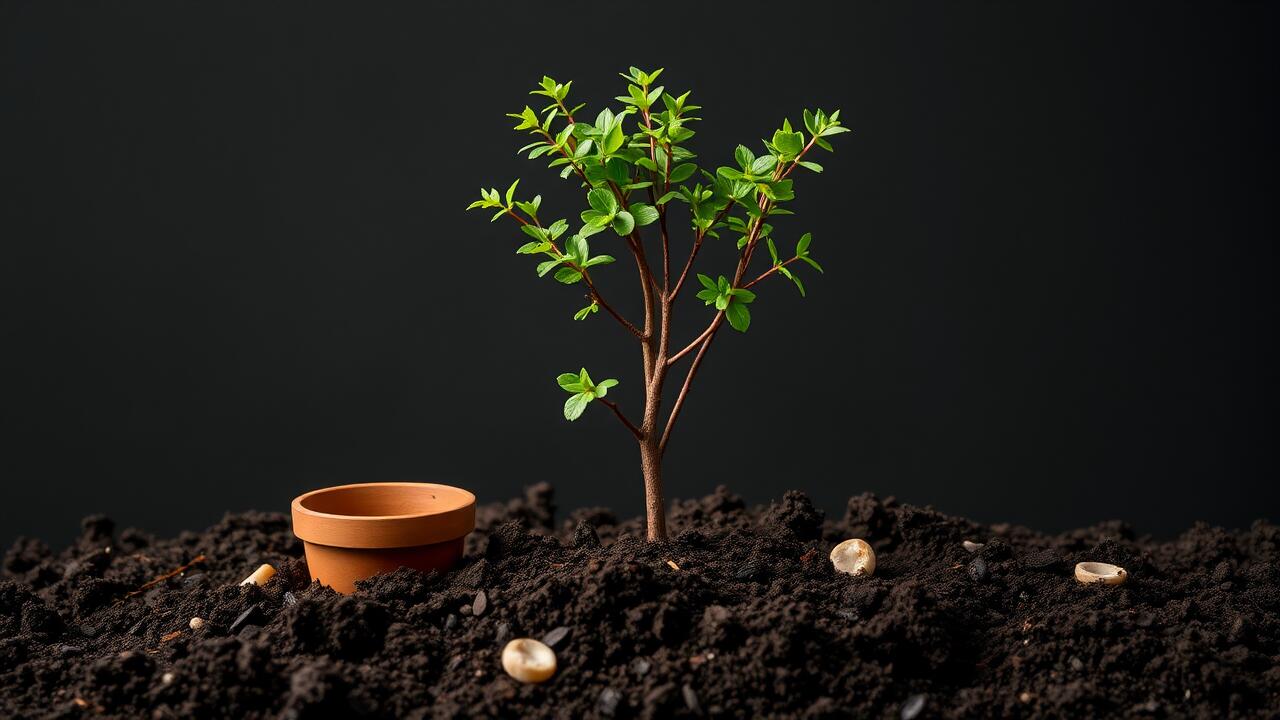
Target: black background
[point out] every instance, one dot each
(236, 266)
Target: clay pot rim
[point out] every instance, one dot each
(453, 519)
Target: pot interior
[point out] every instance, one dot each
(385, 500)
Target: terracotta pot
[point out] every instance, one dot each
(353, 532)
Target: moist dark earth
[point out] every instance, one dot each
(740, 614)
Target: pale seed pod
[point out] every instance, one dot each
(260, 576)
(1096, 572)
(196, 623)
(854, 557)
(528, 660)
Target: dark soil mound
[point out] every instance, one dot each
(740, 615)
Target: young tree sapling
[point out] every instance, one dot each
(632, 178)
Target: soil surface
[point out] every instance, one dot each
(741, 614)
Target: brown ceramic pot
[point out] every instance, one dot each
(353, 532)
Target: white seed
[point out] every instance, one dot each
(260, 576)
(854, 556)
(528, 660)
(1096, 572)
(196, 623)
(973, 546)
(166, 678)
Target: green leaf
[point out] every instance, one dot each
(570, 382)
(773, 250)
(623, 223)
(793, 278)
(511, 191)
(568, 275)
(810, 123)
(582, 314)
(812, 263)
(722, 302)
(674, 194)
(738, 315)
(708, 296)
(533, 232)
(598, 260)
(680, 173)
(614, 139)
(742, 295)
(546, 266)
(802, 246)
(618, 171)
(644, 214)
(602, 201)
(602, 387)
(578, 248)
(811, 165)
(575, 405)
(533, 248)
(763, 164)
(744, 157)
(557, 229)
(708, 283)
(788, 143)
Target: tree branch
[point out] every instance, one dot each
(770, 271)
(688, 381)
(698, 340)
(586, 278)
(697, 245)
(614, 407)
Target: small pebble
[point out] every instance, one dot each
(608, 702)
(912, 707)
(502, 633)
(289, 599)
(1025, 697)
(70, 649)
(196, 623)
(556, 636)
(691, 700)
(166, 678)
(528, 660)
(1075, 663)
(854, 557)
(481, 604)
(972, 546)
(450, 622)
(978, 571)
(195, 580)
(465, 609)
(640, 667)
(454, 662)
(244, 619)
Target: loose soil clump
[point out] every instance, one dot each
(740, 615)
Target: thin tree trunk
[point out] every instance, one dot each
(654, 504)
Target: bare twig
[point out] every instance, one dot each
(616, 411)
(173, 573)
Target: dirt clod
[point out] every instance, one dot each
(755, 623)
